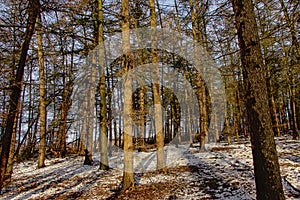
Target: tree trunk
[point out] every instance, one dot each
(266, 166)
(294, 110)
(142, 116)
(83, 131)
(103, 124)
(295, 50)
(10, 163)
(274, 117)
(200, 84)
(16, 85)
(270, 87)
(103, 118)
(156, 94)
(65, 106)
(90, 113)
(202, 39)
(42, 107)
(128, 180)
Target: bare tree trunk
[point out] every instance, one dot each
(128, 180)
(84, 112)
(294, 63)
(266, 166)
(142, 118)
(16, 85)
(188, 122)
(203, 113)
(83, 130)
(294, 111)
(272, 104)
(103, 124)
(65, 106)
(90, 113)
(271, 99)
(200, 90)
(103, 118)
(141, 96)
(156, 94)
(203, 100)
(10, 163)
(42, 108)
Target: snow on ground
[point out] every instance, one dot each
(222, 172)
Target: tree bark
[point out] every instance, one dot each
(10, 162)
(42, 107)
(156, 93)
(266, 166)
(128, 180)
(200, 90)
(65, 107)
(294, 110)
(90, 113)
(16, 85)
(103, 118)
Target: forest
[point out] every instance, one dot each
(158, 99)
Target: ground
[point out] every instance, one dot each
(221, 172)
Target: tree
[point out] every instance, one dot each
(42, 108)
(16, 85)
(266, 166)
(89, 113)
(103, 118)
(156, 93)
(128, 180)
(295, 55)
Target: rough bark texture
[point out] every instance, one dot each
(16, 85)
(103, 124)
(11, 158)
(275, 121)
(83, 131)
(103, 118)
(128, 180)
(294, 110)
(141, 135)
(42, 107)
(200, 90)
(65, 107)
(156, 94)
(266, 167)
(90, 114)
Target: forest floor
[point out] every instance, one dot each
(221, 172)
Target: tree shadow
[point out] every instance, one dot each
(64, 179)
(219, 180)
(199, 176)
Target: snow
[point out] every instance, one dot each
(221, 172)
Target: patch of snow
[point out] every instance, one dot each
(221, 172)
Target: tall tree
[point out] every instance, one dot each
(89, 117)
(42, 107)
(103, 118)
(156, 93)
(262, 17)
(65, 106)
(128, 180)
(197, 16)
(295, 56)
(266, 166)
(16, 85)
